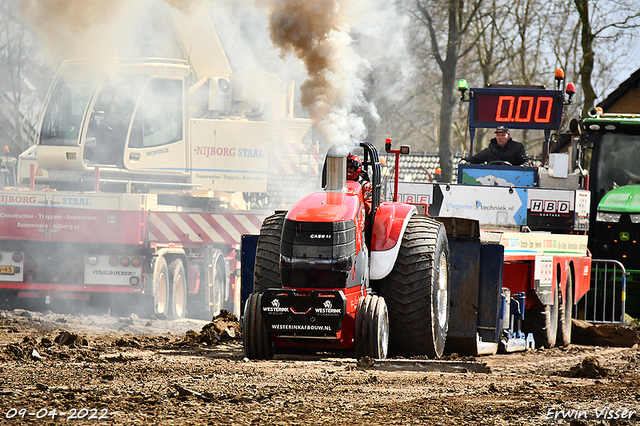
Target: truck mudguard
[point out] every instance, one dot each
(390, 223)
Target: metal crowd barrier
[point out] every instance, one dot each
(605, 300)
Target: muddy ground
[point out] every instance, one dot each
(89, 369)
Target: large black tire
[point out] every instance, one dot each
(267, 269)
(255, 339)
(161, 289)
(565, 311)
(543, 323)
(416, 291)
(372, 328)
(178, 290)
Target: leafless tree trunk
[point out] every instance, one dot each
(459, 21)
(616, 18)
(23, 80)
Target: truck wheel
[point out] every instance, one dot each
(255, 338)
(543, 323)
(565, 311)
(178, 290)
(218, 290)
(160, 287)
(267, 270)
(417, 290)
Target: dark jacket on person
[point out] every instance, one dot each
(513, 152)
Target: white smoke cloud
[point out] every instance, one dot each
(318, 32)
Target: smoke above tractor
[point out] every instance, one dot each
(318, 33)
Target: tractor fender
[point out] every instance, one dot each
(391, 220)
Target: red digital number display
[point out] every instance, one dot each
(527, 110)
(524, 109)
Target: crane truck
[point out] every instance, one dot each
(143, 176)
(495, 262)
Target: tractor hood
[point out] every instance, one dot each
(625, 199)
(328, 206)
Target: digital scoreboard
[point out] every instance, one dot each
(515, 108)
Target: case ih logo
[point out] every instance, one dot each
(550, 207)
(319, 236)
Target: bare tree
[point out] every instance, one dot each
(611, 22)
(460, 14)
(23, 80)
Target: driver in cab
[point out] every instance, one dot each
(501, 148)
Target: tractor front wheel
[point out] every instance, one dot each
(416, 291)
(255, 338)
(372, 328)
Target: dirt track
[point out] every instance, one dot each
(136, 371)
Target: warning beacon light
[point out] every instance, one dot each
(559, 77)
(571, 90)
(462, 87)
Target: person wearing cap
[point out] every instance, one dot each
(357, 174)
(501, 148)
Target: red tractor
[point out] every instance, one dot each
(330, 276)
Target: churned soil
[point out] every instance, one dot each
(99, 369)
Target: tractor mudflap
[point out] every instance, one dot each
(476, 280)
(248, 247)
(313, 313)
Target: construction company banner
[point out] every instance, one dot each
(487, 204)
(230, 156)
(70, 217)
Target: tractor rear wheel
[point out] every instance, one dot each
(267, 270)
(565, 311)
(543, 323)
(255, 338)
(372, 328)
(416, 291)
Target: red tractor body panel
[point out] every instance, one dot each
(323, 206)
(391, 219)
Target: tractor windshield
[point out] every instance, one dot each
(619, 161)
